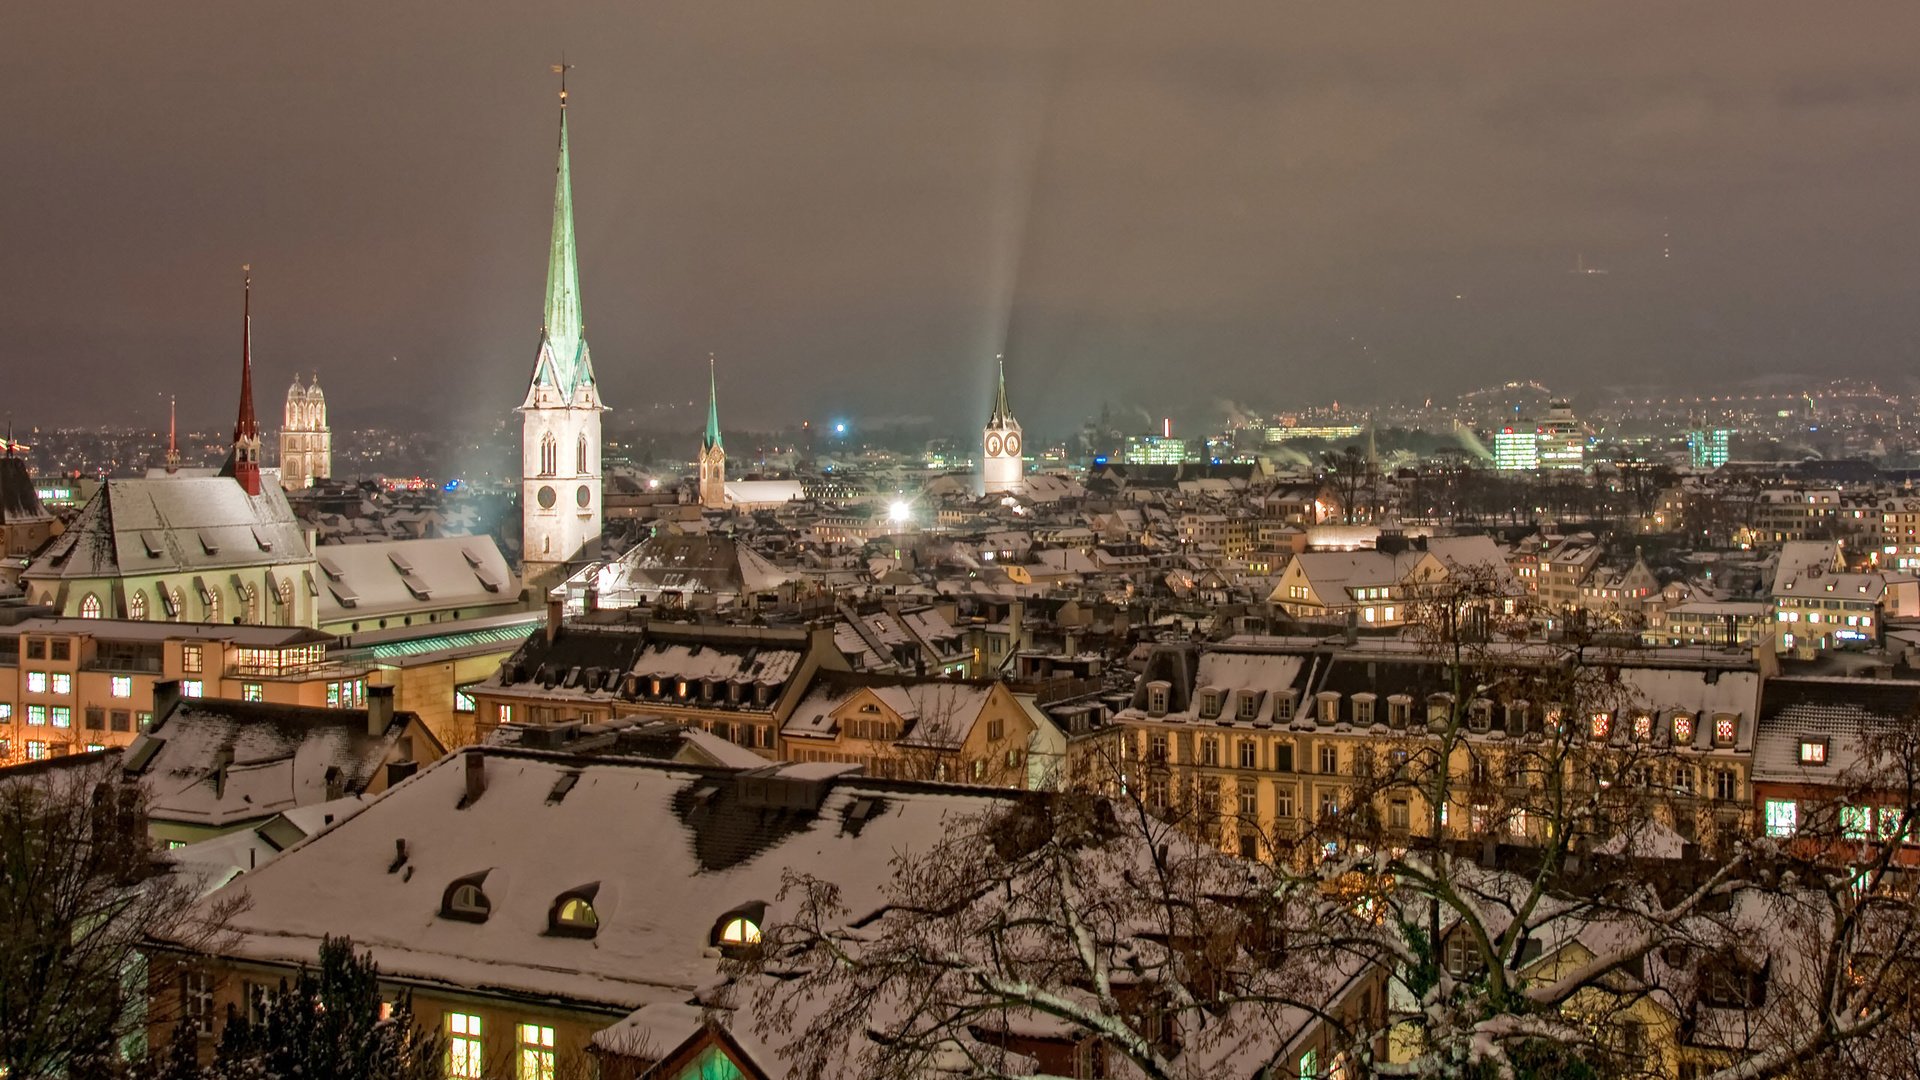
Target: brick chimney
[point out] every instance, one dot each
(556, 607)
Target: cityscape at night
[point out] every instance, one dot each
(1011, 541)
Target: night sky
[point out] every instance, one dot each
(1170, 207)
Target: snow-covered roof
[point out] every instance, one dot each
(391, 576)
(691, 845)
(175, 524)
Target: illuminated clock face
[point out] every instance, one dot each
(546, 496)
(993, 444)
(1013, 444)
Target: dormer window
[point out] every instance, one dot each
(1813, 751)
(1480, 714)
(1209, 704)
(1283, 706)
(1682, 729)
(739, 930)
(572, 914)
(1249, 704)
(1157, 698)
(465, 900)
(1601, 724)
(1724, 728)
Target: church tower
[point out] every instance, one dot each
(243, 464)
(1002, 470)
(713, 456)
(560, 494)
(306, 444)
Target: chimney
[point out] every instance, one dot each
(221, 759)
(556, 607)
(166, 695)
(590, 601)
(1353, 627)
(476, 777)
(336, 783)
(379, 710)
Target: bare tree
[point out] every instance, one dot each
(80, 890)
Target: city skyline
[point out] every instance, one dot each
(1293, 208)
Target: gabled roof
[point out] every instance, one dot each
(389, 576)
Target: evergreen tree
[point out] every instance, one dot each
(328, 1023)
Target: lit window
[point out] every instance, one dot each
(190, 688)
(61, 716)
(62, 683)
(137, 605)
(1783, 817)
(36, 682)
(463, 699)
(1683, 731)
(1723, 729)
(536, 1052)
(1813, 751)
(740, 932)
(6, 710)
(1601, 723)
(1853, 822)
(504, 713)
(37, 715)
(251, 692)
(36, 751)
(464, 1057)
(90, 607)
(122, 686)
(191, 659)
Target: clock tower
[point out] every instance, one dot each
(1002, 469)
(560, 495)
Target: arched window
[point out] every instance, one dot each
(465, 900)
(740, 932)
(179, 604)
(213, 605)
(549, 455)
(739, 929)
(89, 606)
(250, 604)
(581, 455)
(137, 605)
(572, 914)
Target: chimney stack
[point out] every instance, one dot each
(556, 607)
(379, 710)
(166, 695)
(476, 777)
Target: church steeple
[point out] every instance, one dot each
(246, 430)
(1001, 414)
(564, 362)
(713, 456)
(712, 437)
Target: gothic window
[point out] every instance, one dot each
(549, 455)
(137, 605)
(250, 604)
(90, 607)
(581, 456)
(213, 605)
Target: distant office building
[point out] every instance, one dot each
(1516, 449)
(306, 444)
(1709, 447)
(1157, 450)
(1557, 442)
(1562, 443)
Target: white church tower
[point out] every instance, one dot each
(1002, 470)
(560, 494)
(306, 443)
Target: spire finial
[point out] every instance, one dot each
(1001, 413)
(561, 70)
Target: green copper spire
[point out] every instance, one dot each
(1001, 414)
(564, 361)
(712, 438)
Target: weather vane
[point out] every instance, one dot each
(561, 70)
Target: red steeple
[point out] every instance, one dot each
(246, 430)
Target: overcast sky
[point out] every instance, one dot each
(1166, 206)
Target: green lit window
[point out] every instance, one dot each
(251, 692)
(464, 1058)
(536, 1052)
(1854, 822)
(1783, 817)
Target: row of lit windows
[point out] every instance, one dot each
(466, 1049)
